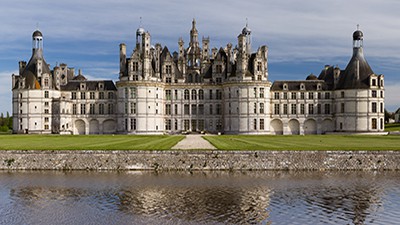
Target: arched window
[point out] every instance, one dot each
(194, 95)
(186, 95)
(201, 94)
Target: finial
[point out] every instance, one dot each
(358, 26)
(247, 22)
(37, 26)
(140, 25)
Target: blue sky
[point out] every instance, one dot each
(302, 36)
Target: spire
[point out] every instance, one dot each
(194, 35)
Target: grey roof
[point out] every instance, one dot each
(29, 73)
(309, 85)
(80, 77)
(357, 73)
(90, 85)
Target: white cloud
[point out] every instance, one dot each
(392, 96)
(5, 91)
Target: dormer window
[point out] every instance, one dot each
(319, 87)
(373, 82)
(302, 87)
(285, 87)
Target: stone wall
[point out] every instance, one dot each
(199, 160)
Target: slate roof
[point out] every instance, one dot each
(309, 85)
(357, 73)
(90, 85)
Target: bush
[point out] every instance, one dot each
(4, 128)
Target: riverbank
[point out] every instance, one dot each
(198, 160)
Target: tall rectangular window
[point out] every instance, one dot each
(219, 94)
(194, 109)
(310, 95)
(83, 95)
(91, 109)
(255, 108)
(382, 109)
(293, 95)
(342, 109)
(301, 95)
(110, 95)
(319, 108)
(101, 109)
(310, 109)
(201, 109)
(374, 107)
(133, 108)
(294, 109)
(133, 92)
(83, 109)
(276, 95)
(261, 92)
(327, 109)
(284, 95)
(210, 94)
(374, 125)
(101, 95)
(261, 108)
(74, 111)
(91, 95)
(168, 69)
(219, 109)
(285, 109)
(186, 109)
(302, 109)
(176, 94)
(261, 124)
(135, 66)
(110, 109)
(255, 92)
(168, 124)
(133, 124)
(276, 109)
(168, 94)
(255, 124)
(168, 109)
(176, 109)
(46, 94)
(73, 95)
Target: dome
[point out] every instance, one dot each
(140, 31)
(37, 33)
(311, 77)
(246, 30)
(358, 35)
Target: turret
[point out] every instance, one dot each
(122, 60)
(205, 55)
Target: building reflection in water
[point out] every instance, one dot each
(226, 198)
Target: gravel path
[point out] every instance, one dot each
(193, 141)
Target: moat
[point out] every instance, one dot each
(269, 197)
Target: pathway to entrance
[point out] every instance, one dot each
(193, 141)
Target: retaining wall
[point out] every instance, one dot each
(199, 160)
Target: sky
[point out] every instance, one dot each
(302, 36)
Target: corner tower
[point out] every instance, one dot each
(359, 93)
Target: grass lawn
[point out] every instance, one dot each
(392, 127)
(308, 142)
(88, 142)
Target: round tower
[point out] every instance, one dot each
(37, 40)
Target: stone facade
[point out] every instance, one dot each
(197, 89)
(199, 160)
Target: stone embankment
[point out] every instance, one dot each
(199, 160)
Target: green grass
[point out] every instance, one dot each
(88, 142)
(308, 142)
(392, 127)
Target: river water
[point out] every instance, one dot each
(272, 197)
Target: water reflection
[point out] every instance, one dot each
(199, 198)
